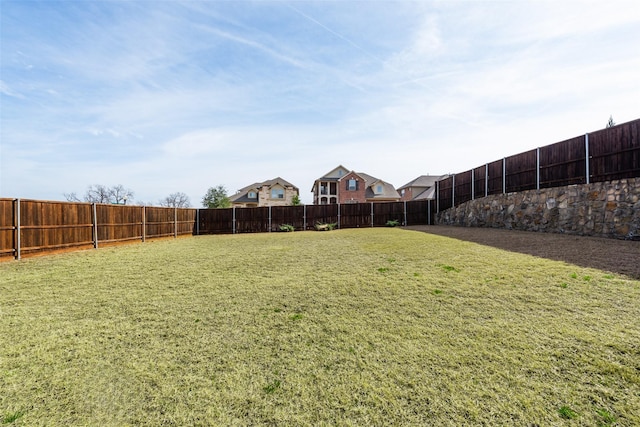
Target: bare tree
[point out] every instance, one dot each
(176, 200)
(97, 193)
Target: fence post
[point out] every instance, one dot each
(144, 223)
(16, 222)
(538, 168)
(437, 196)
(304, 217)
(94, 214)
(405, 213)
(198, 222)
(233, 222)
(269, 218)
(428, 212)
(175, 222)
(371, 214)
(453, 190)
(586, 156)
(486, 179)
(473, 184)
(504, 175)
(338, 215)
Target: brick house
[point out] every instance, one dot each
(274, 192)
(421, 188)
(342, 186)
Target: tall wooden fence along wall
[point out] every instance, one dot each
(34, 226)
(605, 155)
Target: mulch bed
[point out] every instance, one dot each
(616, 256)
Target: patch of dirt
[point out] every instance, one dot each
(616, 256)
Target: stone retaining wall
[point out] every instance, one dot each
(606, 209)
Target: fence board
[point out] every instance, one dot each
(390, 211)
(563, 163)
(495, 177)
(479, 181)
(7, 230)
(291, 215)
(354, 215)
(463, 187)
(521, 171)
(615, 152)
(216, 221)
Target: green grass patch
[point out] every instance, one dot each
(302, 329)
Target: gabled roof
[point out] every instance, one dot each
(388, 190)
(241, 194)
(423, 181)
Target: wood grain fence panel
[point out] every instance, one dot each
(445, 193)
(462, 187)
(521, 171)
(7, 227)
(118, 223)
(216, 221)
(160, 221)
(388, 211)
(563, 163)
(252, 220)
(291, 215)
(615, 152)
(479, 182)
(417, 212)
(355, 215)
(48, 225)
(495, 177)
(321, 214)
(186, 220)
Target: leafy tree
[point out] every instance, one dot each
(97, 193)
(216, 197)
(295, 200)
(611, 123)
(176, 200)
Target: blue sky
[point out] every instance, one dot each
(164, 96)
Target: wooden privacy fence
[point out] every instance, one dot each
(31, 226)
(605, 155)
(34, 226)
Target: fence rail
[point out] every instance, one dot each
(605, 155)
(35, 226)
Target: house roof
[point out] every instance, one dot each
(423, 181)
(241, 194)
(388, 190)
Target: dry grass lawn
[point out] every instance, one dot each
(349, 327)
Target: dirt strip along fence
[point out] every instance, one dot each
(29, 227)
(605, 155)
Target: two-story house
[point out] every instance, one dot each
(421, 188)
(274, 192)
(341, 185)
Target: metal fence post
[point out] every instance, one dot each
(338, 215)
(453, 190)
(17, 229)
(437, 196)
(233, 222)
(405, 213)
(586, 156)
(428, 212)
(144, 223)
(538, 168)
(473, 184)
(304, 217)
(94, 214)
(486, 179)
(175, 222)
(269, 218)
(371, 214)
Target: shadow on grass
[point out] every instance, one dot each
(616, 256)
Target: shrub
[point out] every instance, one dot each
(393, 223)
(287, 227)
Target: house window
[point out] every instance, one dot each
(378, 189)
(323, 189)
(277, 193)
(352, 185)
(252, 194)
